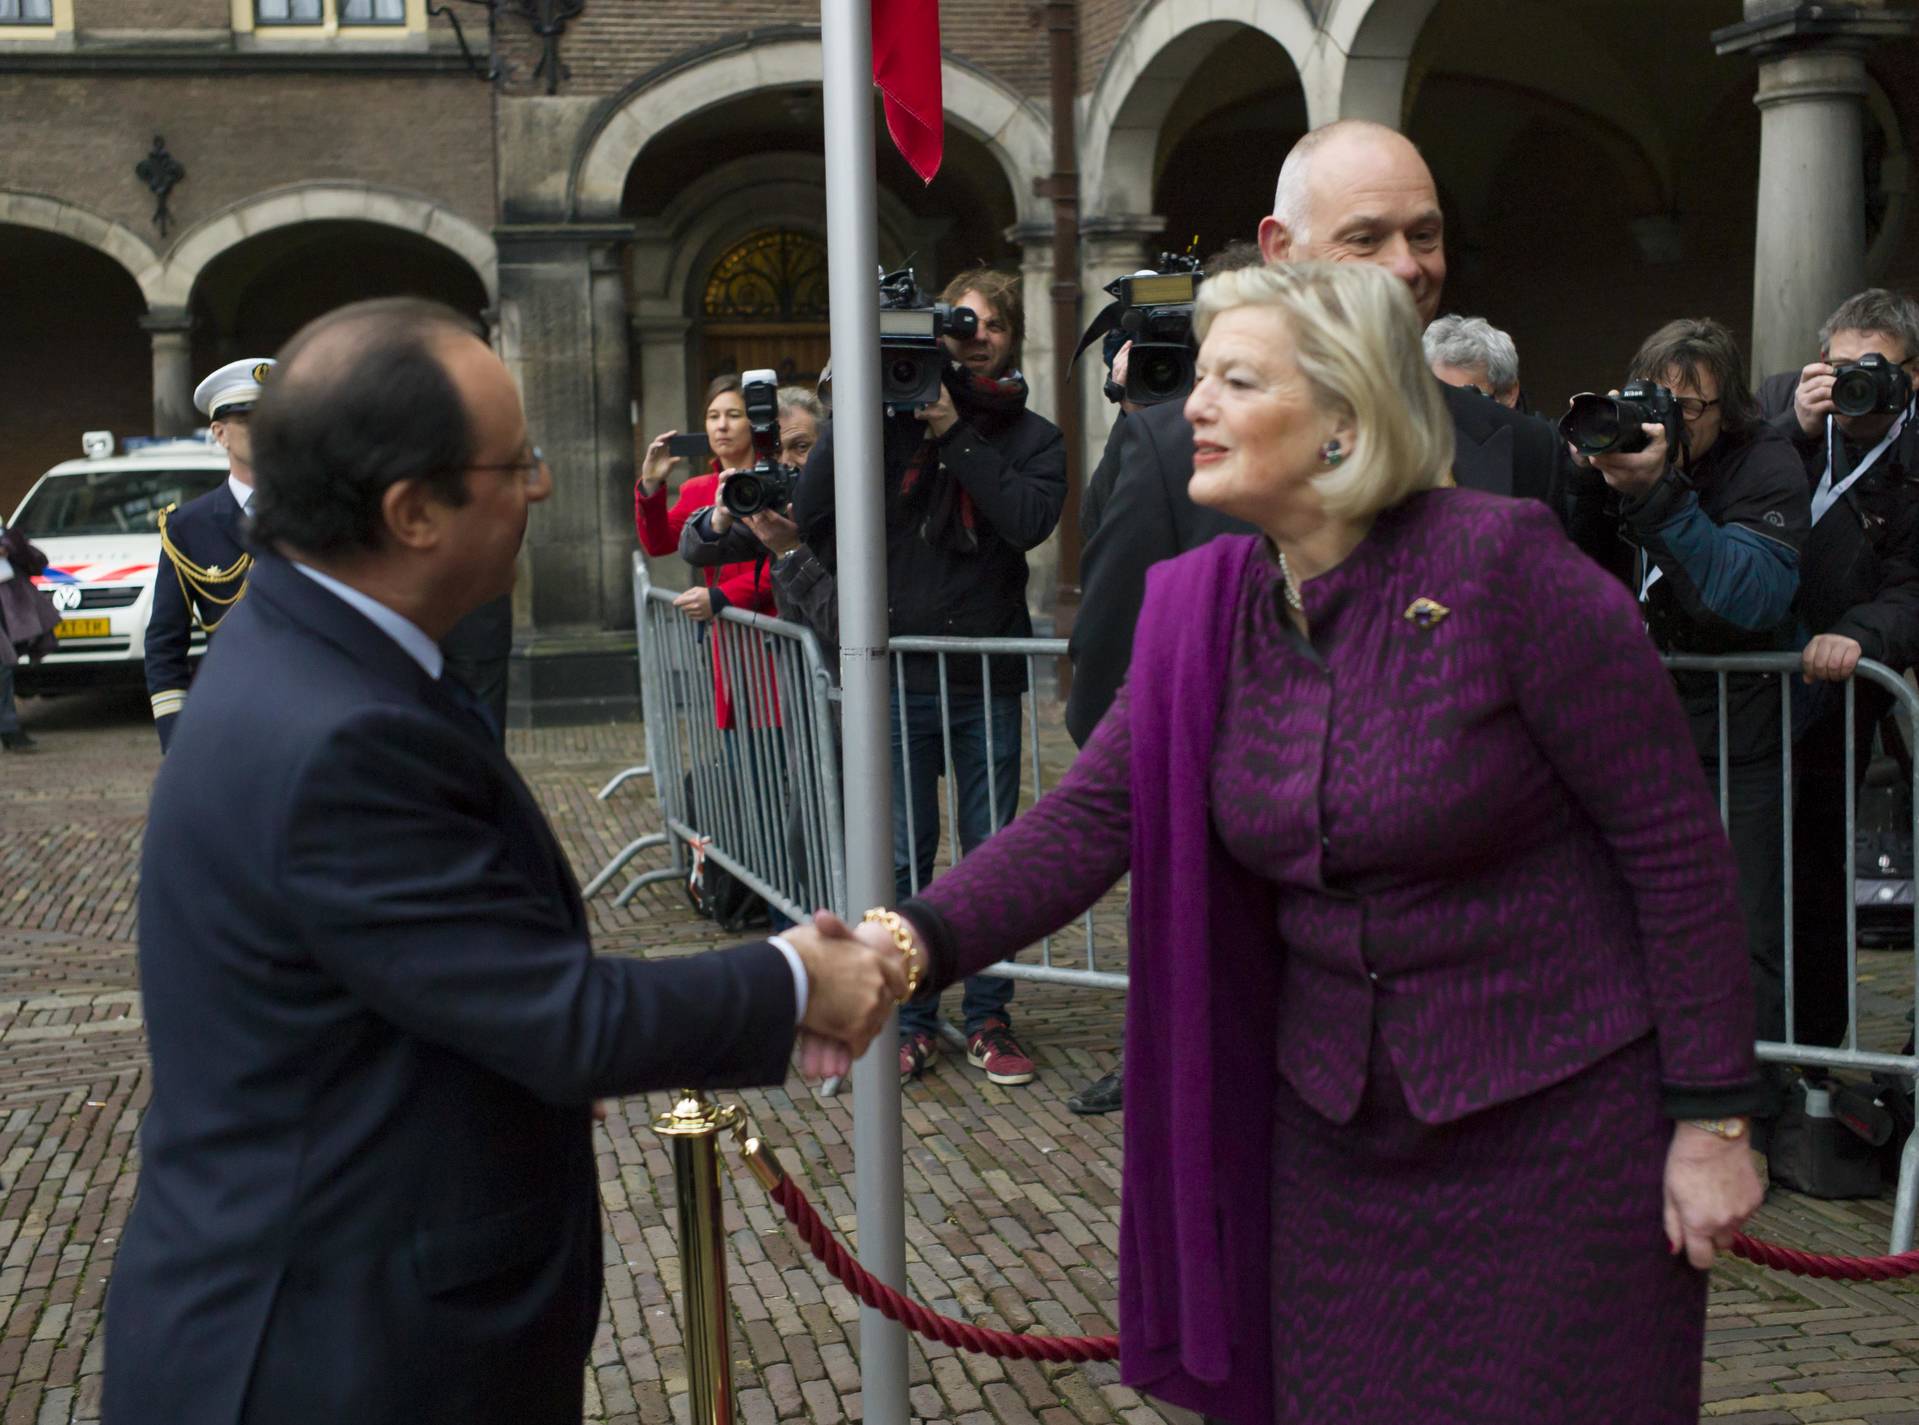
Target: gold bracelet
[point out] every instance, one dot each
(902, 934)
(1730, 1129)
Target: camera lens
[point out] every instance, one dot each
(904, 373)
(1595, 425)
(1161, 375)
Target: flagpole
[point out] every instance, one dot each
(852, 248)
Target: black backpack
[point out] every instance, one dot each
(715, 892)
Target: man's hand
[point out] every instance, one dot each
(778, 533)
(1122, 362)
(1711, 1189)
(940, 415)
(1830, 658)
(1638, 472)
(852, 986)
(1812, 400)
(657, 463)
(696, 604)
(720, 520)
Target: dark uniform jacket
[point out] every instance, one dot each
(945, 578)
(367, 1189)
(1148, 516)
(209, 531)
(1723, 538)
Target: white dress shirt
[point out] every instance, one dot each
(242, 493)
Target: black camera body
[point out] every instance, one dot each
(769, 484)
(912, 357)
(1612, 425)
(1157, 310)
(1869, 386)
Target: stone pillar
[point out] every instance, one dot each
(563, 335)
(171, 330)
(1811, 251)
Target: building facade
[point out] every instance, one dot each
(631, 193)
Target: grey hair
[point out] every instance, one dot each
(1875, 310)
(1473, 341)
(798, 398)
(1293, 194)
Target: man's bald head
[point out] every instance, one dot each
(361, 399)
(1357, 191)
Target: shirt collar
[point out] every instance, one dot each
(242, 494)
(410, 636)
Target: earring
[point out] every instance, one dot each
(1331, 453)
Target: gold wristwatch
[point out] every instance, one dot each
(1731, 1129)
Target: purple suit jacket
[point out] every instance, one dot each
(1548, 881)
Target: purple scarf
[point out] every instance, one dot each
(1202, 1011)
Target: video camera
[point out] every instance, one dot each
(769, 484)
(1869, 386)
(1611, 425)
(912, 360)
(1156, 310)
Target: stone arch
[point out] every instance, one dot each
(319, 202)
(1009, 127)
(1157, 53)
(1375, 40)
(122, 244)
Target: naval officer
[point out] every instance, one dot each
(203, 553)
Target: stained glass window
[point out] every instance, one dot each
(773, 276)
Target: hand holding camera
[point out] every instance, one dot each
(1628, 436)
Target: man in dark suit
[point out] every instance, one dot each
(1350, 191)
(203, 552)
(367, 1189)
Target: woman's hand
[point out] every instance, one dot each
(657, 463)
(1711, 1189)
(696, 604)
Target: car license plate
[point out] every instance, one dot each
(84, 628)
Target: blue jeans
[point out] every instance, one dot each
(919, 760)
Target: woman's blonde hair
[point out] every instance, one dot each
(1357, 338)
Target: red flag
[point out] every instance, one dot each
(906, 67)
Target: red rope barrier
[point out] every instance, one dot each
(1811, 1264)
(910, 1314)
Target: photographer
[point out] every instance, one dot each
(803, 590)
(972, 481)
(1858, 598)
(1713, 506)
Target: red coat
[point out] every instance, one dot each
(747, 585)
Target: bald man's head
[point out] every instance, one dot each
(1357, 191)
(361, 398)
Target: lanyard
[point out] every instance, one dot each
(1827, 495)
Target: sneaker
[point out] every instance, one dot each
(994, 1049)
(1100, 1096)
(916, 1052)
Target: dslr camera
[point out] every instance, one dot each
(1611, 425)
(912, 360)
(769, 484)
(1869, 386)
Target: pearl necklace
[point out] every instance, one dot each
(1293, 600)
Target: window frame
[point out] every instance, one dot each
(331, 24)
(57, 25)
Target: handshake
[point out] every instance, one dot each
(855, 975)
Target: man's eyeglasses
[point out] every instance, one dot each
(1692, 407)
(531, 466)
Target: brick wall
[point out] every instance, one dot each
(615, 41)
(1100, 23)
(152, 14)
(78, 138)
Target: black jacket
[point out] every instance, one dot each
(804, 590)
(210, 531)
(943, 577)
(1713, 554)
(1148, 516)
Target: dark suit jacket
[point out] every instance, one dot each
(1148, 516)
(367, 1189)
(210, 531)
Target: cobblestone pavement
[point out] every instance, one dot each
(1013, 1202)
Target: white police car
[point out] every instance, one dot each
(96, 520)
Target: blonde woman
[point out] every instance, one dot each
(1439, 1028)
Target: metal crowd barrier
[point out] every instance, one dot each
(762, 798)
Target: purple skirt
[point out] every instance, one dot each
(1506, 1269)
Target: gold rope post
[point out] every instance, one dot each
(693, 1124)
